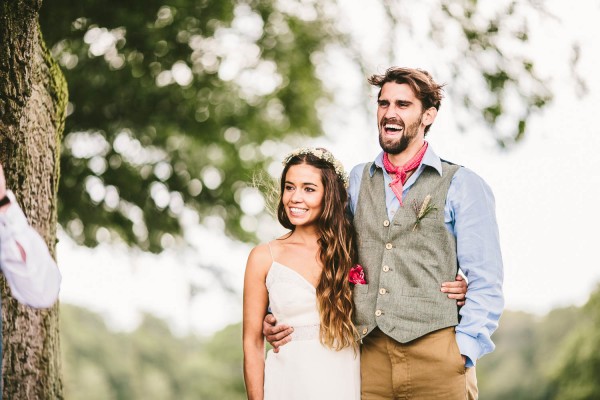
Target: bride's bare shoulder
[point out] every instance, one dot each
(260, 255)
(280, 245)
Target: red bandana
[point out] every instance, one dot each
(402, 171)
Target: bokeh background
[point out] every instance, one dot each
(175, 105)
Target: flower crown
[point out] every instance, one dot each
(324, 155)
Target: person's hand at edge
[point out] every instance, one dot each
(3, 189)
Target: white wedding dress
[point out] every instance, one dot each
(304, 369)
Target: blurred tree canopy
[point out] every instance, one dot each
(174, 103)
(148, 363)
(545, 358)
(536, 358)
(577, 374)
(171, 104)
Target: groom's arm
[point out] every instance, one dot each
(276, 335)
(479, 257)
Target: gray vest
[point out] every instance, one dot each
(405, 268)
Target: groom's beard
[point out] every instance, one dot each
(396, 147)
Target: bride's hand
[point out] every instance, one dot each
(456, 290)
(276, 335)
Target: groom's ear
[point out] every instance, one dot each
(429, 116)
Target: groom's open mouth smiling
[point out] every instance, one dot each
(392, 128)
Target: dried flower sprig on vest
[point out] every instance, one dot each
(421, 211)
(324, 155)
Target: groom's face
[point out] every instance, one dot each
(399, 117)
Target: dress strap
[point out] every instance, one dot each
(271, 251)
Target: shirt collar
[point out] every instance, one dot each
(429, 159)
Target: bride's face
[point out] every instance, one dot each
(303, 194)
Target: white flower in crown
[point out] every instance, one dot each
(324, 155)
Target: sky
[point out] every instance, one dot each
(545, 190)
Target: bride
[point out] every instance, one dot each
(303, 277)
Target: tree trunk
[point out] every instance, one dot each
(33, 99)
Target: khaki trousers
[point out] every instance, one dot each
(427, 368)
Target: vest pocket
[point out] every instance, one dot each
(362, 306)
(431, 293)
(359, 290)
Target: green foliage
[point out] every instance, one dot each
(525, 352)
(149, 363)
(577, 374)
(174, 104)
(495, 54)
(169, 104)
(552, 357)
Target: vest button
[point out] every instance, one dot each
(388, 246)
(378, 313)
(365, 331)
(386, 268)
(382, 291)
(386, 223)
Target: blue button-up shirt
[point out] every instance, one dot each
(470, 216)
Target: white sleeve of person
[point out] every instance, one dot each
(35, 280)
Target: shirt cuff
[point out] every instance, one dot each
(469, 347)
(13, 220)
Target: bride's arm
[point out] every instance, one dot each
(255, 305)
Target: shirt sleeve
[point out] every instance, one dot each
(473, 221)
(34, 281)
(354, 187)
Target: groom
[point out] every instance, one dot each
(418, 219)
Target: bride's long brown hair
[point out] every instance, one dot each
(337, 253)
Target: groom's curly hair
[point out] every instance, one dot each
(337, 254)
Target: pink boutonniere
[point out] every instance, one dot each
(357, 275)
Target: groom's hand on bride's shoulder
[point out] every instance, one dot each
(276, 335)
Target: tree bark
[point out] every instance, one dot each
(33, 99)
